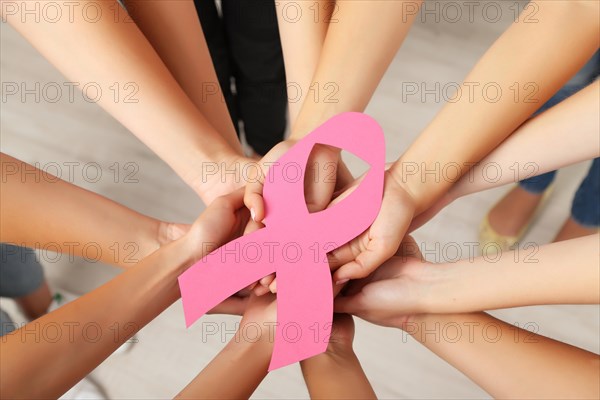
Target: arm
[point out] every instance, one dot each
(362, 39)
(302, 25)
(159, 112)
(558, 273)
(344, 77)
(39, 208)
(173, 29)
(468, 128)
(518, 364)
(337, 373)
(115, 311)
(569, 132)
(242, 361)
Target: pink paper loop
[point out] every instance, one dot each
(294, 242)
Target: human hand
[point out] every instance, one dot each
(222, 221)
(325, 171)
(394, 292)
(362, 255)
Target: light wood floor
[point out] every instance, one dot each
(167, 355)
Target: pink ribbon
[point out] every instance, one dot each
(294, 242)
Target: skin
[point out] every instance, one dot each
(506, 361)
(346, 78)
(520, 365)
(327, 62)
(569, 131)
(337, 373)
(558, 273)
(117, 310)
(158, 104)
(466, 130)
(35, 304)
(165, 23)
(73, 218)
(244, 360)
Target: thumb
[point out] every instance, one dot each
(253, 198)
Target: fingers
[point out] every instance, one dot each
(346, 253)
(264, 285)
(383, 237)
(344, 176)
(253, 198)
(349, 304)
(233, 306)
(320, 177)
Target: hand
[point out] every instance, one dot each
(222, 221)
(319, 188)
(394, 292)
(319, 185)
(361, 256)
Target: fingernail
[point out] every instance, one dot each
(342, 281)
(253, 214)
(264, 281)
(273, 287)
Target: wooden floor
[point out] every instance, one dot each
(167, 355)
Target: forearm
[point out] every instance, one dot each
(473, 124)
(336, 375)
(361, 42)
(302, 29)
(148, 100)
(559, 273)
(506, 361)
(166, 23)
(234, 374)
(568, 130)
(39, 210)
(87, 330)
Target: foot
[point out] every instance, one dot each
(514, 211)
(571, 230)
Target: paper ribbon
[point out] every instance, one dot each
(294, 242)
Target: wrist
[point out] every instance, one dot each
(441, 286)
(406, 180)
(216, 175)
(311, 116)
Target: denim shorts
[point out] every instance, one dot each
(585, 209)
(20, 274)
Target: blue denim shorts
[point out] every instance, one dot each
(20, 274)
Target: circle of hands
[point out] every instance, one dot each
(373, 275)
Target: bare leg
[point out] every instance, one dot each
(571, 229)
(36, 304)
(515, 209)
